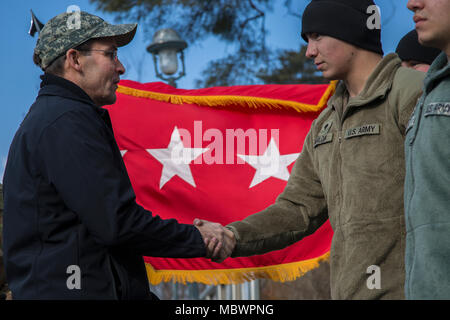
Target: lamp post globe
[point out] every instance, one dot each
(165, 48)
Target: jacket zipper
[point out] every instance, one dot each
(340, 123)
(410, 144)
(339, 189)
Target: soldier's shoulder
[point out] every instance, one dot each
(408, 79)
(407, 87)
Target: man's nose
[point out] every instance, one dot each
(120, 68)
(413, 5)
(311, 50)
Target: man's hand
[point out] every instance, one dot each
(219, 241)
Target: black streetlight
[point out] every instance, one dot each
(166, 45)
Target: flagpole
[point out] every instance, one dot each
(255, 293)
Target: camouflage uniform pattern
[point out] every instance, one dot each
(68, 30)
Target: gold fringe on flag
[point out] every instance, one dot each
(228, 100)
(280, 273)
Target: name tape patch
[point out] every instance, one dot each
(362, 130)
(438, 109)
(323, 139)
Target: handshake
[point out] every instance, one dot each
(219, 241)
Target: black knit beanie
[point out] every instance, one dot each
(409, 48)
(345, 20)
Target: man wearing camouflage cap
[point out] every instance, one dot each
(72, 228)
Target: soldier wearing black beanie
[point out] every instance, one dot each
(351, 168)
(346, 20)
(413, 54)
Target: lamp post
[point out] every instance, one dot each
(166, 45)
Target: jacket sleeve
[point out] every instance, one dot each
(407, 89)
(78, 159)
(298, 211)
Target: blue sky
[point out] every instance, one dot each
(19, 83)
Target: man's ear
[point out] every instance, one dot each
(73, 59)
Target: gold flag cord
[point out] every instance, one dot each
(230, 100)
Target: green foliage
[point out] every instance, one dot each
(194, 20)
(240, 23)
(234, 69)
(292, 67)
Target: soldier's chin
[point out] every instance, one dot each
(329, 77)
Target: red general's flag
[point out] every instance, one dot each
(218, 154)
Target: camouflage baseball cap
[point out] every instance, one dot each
(68, 30)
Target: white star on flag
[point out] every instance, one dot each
(122, 152)
(175, 159)
(270, 164)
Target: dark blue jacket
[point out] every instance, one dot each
(69, 202)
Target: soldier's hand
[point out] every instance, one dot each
(219, 241)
